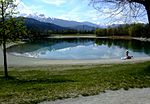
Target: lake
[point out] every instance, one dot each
(81, 48)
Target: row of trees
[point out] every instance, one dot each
(33, 34)
(134, 30)
(73, 31)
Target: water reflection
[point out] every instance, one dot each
(77, 48)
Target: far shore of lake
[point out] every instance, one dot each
(93, 36)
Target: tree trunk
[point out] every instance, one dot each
(4, 41)
(5, 58)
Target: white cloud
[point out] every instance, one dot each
(78, 13)
(88, 14)
(69, 10)
(26, 10)
(55, 2)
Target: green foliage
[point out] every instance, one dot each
(30, 85)
(100, 32)
(110, 31)
(134, 30)
(137, 30)
(15, 29)
(34, 33)
(12, 28)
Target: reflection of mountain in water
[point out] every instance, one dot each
(49, 46)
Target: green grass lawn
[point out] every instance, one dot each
(30, 85)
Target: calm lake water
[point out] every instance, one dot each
(81, 48)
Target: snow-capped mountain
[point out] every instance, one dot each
(61, 22)
(42, 26)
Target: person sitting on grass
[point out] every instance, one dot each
(127, 55)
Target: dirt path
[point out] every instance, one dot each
(132, 96)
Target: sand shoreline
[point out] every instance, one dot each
(25, 61)
(103, 37)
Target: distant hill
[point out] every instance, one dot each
(90, 24)
(65, 23)
(42, 26)
(71, 24)
(83, 28)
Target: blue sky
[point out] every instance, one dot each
(77, 10)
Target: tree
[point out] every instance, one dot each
(137, 30)
(11, 28)
(110, 31)
(130, 8)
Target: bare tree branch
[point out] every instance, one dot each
(129, 9)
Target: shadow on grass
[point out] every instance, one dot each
(7, 78)
(147, 69)
(50, 80)
(57, 80)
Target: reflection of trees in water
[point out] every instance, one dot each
(133, 45)
(54, 44)
(49, 44)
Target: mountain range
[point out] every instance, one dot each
(62, 24)
(33, 24)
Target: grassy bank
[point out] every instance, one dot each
(30, 86)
